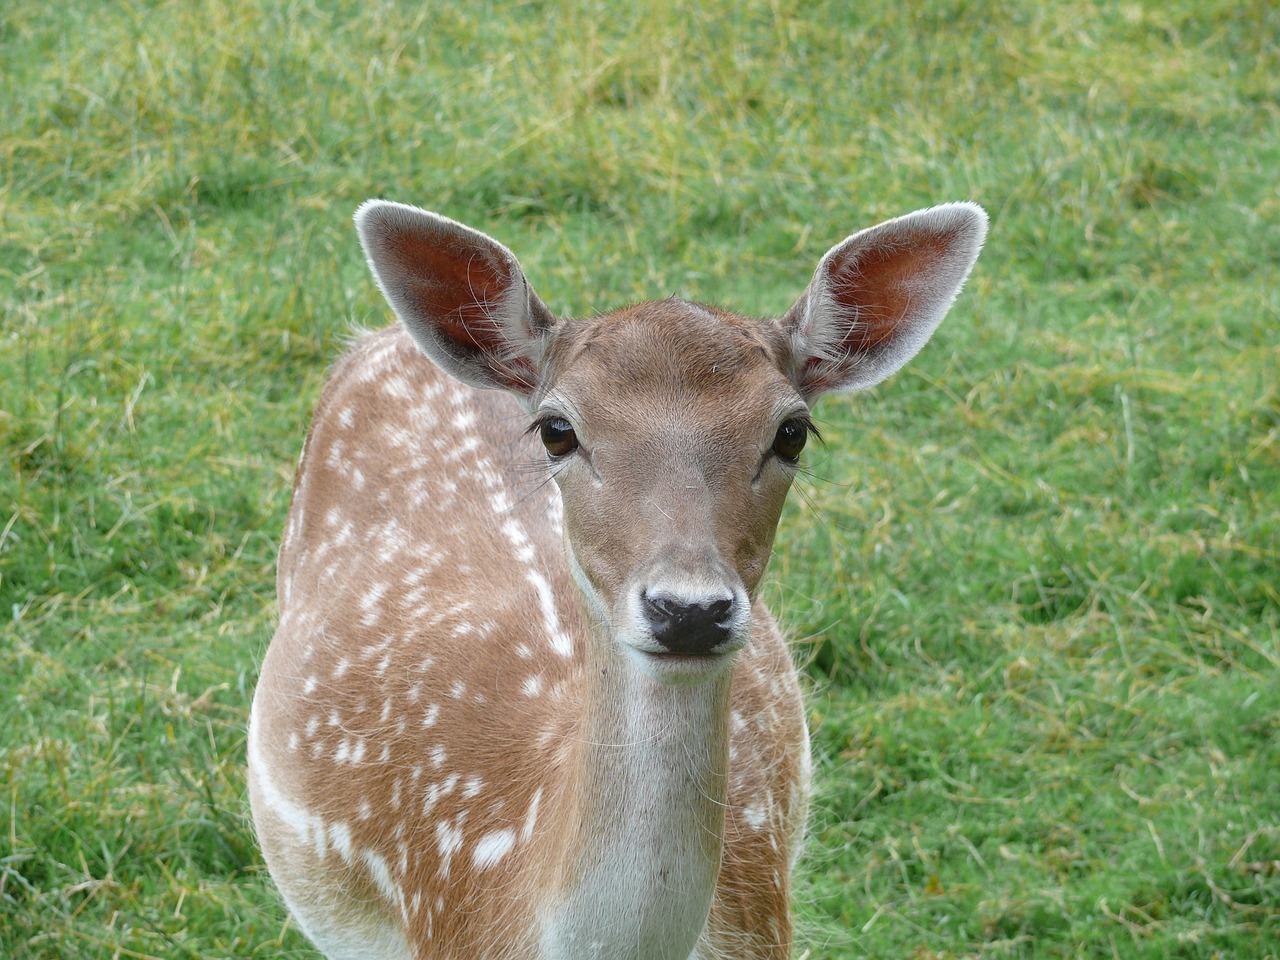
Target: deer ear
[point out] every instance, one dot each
(462, 295)
(877, 297)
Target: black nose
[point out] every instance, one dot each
(688, 628)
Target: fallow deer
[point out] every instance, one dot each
(524, 702)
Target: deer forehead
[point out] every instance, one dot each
(672, 362)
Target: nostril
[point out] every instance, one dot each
(718, 610)
(658, 610)
(687, 627)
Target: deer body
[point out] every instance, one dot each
(526, 720)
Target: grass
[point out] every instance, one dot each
(1034, 577)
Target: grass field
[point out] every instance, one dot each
(1034, 576)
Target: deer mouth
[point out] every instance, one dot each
(680, 669)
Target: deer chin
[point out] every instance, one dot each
(679, 669)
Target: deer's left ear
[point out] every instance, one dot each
(877, 297)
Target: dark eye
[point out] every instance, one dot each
(558, 436)
(790, 439)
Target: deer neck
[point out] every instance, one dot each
(650, 777)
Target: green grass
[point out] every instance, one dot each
(1034, 576)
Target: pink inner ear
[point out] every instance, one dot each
(458, 286)
(880, 285)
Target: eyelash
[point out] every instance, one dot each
(559, 441)
(806, 428)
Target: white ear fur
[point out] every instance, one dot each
(460, 293)
(877, 297)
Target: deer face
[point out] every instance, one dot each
(672, 430)
(673, 433)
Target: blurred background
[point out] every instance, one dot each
(1032, 578)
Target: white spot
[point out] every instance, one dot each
(343, 665)
(433, 713)
(369, 604)
(754, 816)
(532, 816)
(438, 756)
(397, 386)
(459, 688)
(492, 847)
(448, 841)
(397, 435)
(532, 686)
(293, 740)
(472, 787)
(429, 800)
(561, 643)
(335, 460)
(340, 838)
(310, 685)
(515, 533)
(381, 875)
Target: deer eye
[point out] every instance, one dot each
(790, 439)
(558, 436)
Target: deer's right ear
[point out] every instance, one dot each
(462, 295)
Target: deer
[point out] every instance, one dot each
(524, 701)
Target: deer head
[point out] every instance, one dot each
(673, 430)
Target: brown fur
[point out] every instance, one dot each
(515, 743)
